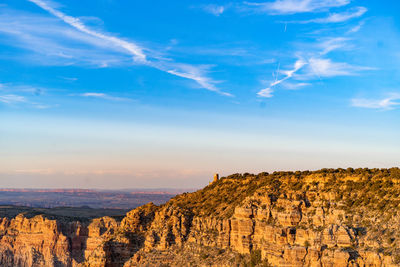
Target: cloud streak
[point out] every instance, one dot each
(104, 96)
(12, 99)
(324, 67)
(135, 50)
(339, 17)
(314, 64)
(16, 95)
(215, 10)
(387, 103)
(330, 44)
(356, 28)
(305, 70)
(195, 73)
(289, 7)
(267, 92)
(294, 86)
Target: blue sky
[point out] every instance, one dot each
(124, 94)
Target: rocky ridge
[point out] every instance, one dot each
(322, 218)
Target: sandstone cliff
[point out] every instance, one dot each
(323, 218)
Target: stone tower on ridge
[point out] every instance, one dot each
(216, 177)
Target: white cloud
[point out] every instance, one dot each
(324, 67)
(103, 96)
(20, 95)
(356, 28)
(327, 68)
(314, 62)
(297, 66)
(54, 43)
(135, 50)
(13, 88)
(267, 92)
(305, 70)
(216, 10)
(387, 103)
(93, 94)
(340, 17)
(331, 44)
(194, 73)
(294, 86)
(42, 106)
(70, 79)
(41, 40)
(286, 7)
(12, 99)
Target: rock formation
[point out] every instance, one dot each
(216, 177)
(323, 218)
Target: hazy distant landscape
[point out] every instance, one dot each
(95, 199)
(61, 213)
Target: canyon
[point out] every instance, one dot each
(330, 217)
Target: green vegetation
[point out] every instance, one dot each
(255, 257)
(376, 189)
(256, 260)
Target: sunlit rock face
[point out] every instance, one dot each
(326, 218)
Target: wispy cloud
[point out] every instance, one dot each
(215, 10)
(339, 17)
(315, 64)
(12, 99)
(104, 96)
(134, 49)
(287, 7)
(24, 89)
(294, 86)
(356, 28)
(194, 73)
(49, 38)
(324, 67)
(17, 94)
(308, 70)
(267, 92)
(70, 79)
(54, 43)
(332, 43)
(386, 103)
(43, 106)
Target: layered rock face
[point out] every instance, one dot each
(32, 242)
(326, 218)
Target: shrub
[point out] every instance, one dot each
(395, 173)
(255, 257)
